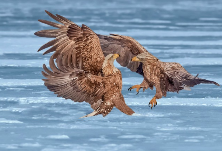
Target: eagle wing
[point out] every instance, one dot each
(72, 41)
(73, 83)
(126, 46)
(180, 78)
(76, 74)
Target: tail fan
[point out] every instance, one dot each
(196, 81)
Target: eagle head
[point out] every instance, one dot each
(144, 57)
(109, 59)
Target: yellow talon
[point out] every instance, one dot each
(137, 87)
(153, 102)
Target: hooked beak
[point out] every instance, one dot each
(116, 56)
(135, 59)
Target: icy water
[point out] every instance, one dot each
(188, 32)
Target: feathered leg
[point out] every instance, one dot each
(158, 95)
(91, 114)
(104, 108)
(108, 103)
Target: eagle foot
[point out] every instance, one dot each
(153, 102)
(137, 87)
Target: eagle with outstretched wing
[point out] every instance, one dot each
(165, 76)
(79, 70)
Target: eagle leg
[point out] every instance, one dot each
(91, 114)
(153, 102)
(137, 87)
(103, 108)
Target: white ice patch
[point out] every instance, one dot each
(9, 146)
(18, 33)
(180, 42)
(192, 140)
(11, 109)
(197, 137)
(169, 33)
(16, 146)
(210, 19)
(72, 126)
(138, 20)
(132, 136)
(130, 25)
(30, 145)
(15, 89)
(190, 51)
(58, 137)
(25, 63)
(200, 24)
(216, 102)
(149, 114)
(117, 147)
(20, 82)
(100, 139)
(21, 45)
(36, 100)
(6, 121)
(176, 128)
(195, 61)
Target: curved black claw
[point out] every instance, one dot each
(130, 89)
(151, 105)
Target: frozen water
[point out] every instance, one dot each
(185, 31)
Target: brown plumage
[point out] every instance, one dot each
(80, 71)
(165, 76)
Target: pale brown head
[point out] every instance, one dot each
(110, 59)
(144, 57)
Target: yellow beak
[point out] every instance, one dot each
(135, 59)
(115, 56)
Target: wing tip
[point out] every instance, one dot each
(36, 33)
(114, 34)
(216, 83)
(47, 12)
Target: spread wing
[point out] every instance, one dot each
(73, 83)
(180, 78)
(79, 59)
(72, 41)
(126, 46)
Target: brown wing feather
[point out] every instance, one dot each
(73, 84)
(70, 38)
(126, 46)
